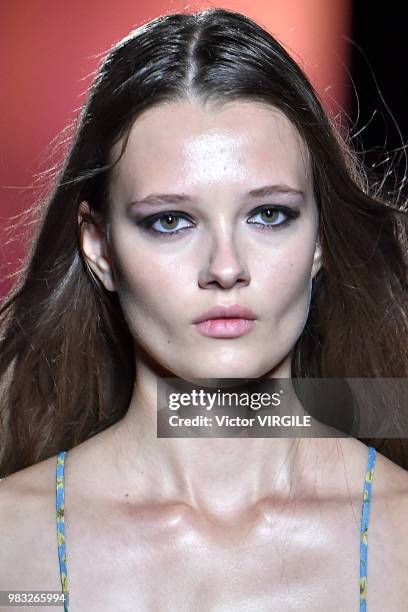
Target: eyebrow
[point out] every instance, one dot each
(260, 192)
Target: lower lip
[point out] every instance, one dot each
(225, 328)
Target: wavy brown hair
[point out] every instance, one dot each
(66, 354)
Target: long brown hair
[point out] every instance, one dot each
(66, 354)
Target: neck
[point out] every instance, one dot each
(219, 476)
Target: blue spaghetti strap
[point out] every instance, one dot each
(60, 507)
(365, 515)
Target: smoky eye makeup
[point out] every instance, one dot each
(269, 217)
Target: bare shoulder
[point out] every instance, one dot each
(390, 494)
(388, 530)
(27, 527)
(391, 480)
(28, 486)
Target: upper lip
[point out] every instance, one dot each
(235, 311)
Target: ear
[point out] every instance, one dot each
(94, 246)
(317, 258)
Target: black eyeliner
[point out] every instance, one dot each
(147, 222)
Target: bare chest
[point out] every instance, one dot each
(177, 561)
(296, 557)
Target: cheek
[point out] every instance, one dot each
(142, 279)
(287, 288)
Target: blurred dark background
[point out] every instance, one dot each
(378, 67)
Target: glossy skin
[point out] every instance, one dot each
(219, 256)
(144, 547)
(216, 525)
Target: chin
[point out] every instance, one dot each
(220, 372)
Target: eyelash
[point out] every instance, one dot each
(289, 212)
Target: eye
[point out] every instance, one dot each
(271, 214)
(167, 220)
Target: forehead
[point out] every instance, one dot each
(183, 142)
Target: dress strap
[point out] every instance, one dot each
(365, 516)
(60, 507)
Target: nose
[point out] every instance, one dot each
(223, 267)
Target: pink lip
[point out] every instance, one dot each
(225, 328)
(235, 311)
(226, 321)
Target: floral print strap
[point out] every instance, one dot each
(365, 515)
(60, 503)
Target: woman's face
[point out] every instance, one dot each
(220, 174)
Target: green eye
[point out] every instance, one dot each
(169, 221)
(270, 214)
